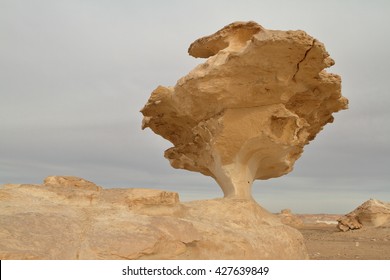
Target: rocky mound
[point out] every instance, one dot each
(246, 112)
(288, 218)
(71, 218)
(372, 213)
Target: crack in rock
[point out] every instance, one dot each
(303, 59)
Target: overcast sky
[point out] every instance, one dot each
(74, 75)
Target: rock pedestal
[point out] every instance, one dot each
(71, 218)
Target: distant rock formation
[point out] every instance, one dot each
(288, 218)
(72, 218)
(319, 219)
(372, 213)
(248, 110)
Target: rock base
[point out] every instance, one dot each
(71, 218)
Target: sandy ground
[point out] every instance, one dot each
(326, 242)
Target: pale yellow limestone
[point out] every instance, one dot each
(71, 218)
(246, 112)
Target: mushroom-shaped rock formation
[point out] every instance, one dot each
(247, 112)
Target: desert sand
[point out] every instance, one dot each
(326, 236)
(326, 242)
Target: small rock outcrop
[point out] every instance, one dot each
(288, 218)
(70, 181)
(372, 213)
(71, 218)
(246, 112)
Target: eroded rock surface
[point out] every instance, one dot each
(71, 218)
(372, 213)
(248, 110)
